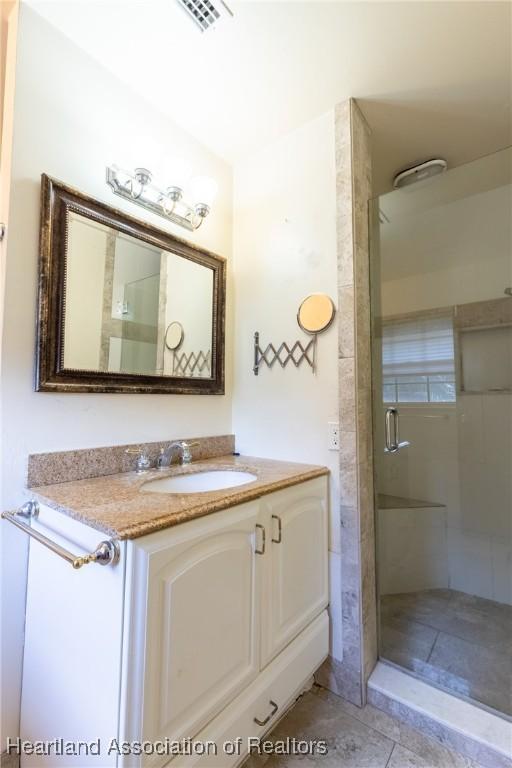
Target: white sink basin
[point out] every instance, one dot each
(199, 482)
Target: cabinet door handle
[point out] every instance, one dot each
(268, 717)
(279, 529)
(263, 539)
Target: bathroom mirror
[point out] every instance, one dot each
(124, 306)
(316, 313)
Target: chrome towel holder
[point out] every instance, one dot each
(106, 553)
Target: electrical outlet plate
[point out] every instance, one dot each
(333, 435)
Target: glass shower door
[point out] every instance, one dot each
(442, 360)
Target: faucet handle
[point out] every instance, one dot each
(186, 452)
(143, 462)
(162, 461)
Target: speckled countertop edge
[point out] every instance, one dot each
(115, 505)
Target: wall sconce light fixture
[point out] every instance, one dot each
(169, 203)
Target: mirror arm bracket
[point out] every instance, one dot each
(296, 353)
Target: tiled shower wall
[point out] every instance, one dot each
(357, 557)
(459, 457)
(481, 531)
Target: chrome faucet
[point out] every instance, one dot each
(185, 454)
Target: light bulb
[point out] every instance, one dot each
(176, 173)
(204, 190)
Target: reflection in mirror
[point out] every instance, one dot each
(128, 302)
(316, 313)
(174, 335)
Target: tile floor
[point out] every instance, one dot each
(356, 738)
(460, 642)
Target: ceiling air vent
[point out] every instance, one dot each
(205, 13)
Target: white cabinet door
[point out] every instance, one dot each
(295, 562)
(201, 645)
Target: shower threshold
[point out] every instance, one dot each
(474, 732)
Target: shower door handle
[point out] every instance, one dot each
(392, 432)
(390, 418)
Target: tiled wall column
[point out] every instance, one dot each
(358, 604)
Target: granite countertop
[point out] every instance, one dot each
(115, 505)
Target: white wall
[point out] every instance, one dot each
(9, 679)
(6, 8)
(72, 118)
(285, 249)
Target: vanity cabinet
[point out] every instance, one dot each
(206, 630)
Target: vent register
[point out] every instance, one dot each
(205, 13)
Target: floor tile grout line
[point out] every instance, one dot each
(396, 721)
(433, 646)
(485, 646)
(360, 722)
(443, 610)
(390, 754)
(444, 631)
(359, 719)
(491, 649)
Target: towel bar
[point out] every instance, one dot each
(106, 553)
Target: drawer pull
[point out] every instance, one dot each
(263, 539)
(279, 529)
(268, 717)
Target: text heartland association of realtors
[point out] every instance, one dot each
(60, 747)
